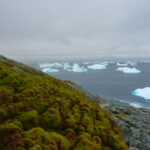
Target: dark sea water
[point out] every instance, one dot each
(109, 83)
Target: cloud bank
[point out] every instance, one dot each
(34, 28)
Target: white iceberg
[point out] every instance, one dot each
(77, 68)
(125, 64)
(128, 70)
(46, 70)
(132, 63)
(67, 66)
(97, 66)
(122, 64)
(51, 65)
(145, 92)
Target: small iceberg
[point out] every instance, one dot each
(67, 66)
(47, 70)
(77, 68)
(51, 65)
(97, 66)
(144, 92)
(132, 63)
(122, 64)
(125, 64)
(128, 70)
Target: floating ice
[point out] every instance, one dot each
(46, 70)
(89, 62)
(132, 63)
(97, 66)
(77, 68)
(67, 66)
(51, 65)
(145, 92)
(122, 64)
(128, 70)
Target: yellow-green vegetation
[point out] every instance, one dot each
(122, 115)
(39, 112)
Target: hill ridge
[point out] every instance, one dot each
(39, 112)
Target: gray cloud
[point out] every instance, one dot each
(81, 27)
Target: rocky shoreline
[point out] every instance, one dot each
(134, 122)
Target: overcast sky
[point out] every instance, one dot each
(74, 27)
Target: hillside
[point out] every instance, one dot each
(39, 112)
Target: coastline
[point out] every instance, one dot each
(134, 122)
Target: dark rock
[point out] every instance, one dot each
(135, 124)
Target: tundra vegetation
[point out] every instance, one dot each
(39, 112)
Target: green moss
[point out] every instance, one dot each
(4, 128)
(71, 121)
(9, 135)
(86, 143)
(34, 104)
(36, 147)
(3, 113)
(122, 115)
(29, 119)
(42, 139)
(6, 95)
(51, 119)
(70, 134)
(59, 141)
(88, 123)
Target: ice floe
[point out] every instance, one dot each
(67, 66)
(122, 64)
(47, 70)
(77, 68)
(132, 63)
(51, 65)
(97, 66)
(128, 70)
(125, 64)
(144, 92)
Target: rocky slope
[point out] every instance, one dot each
(135, 123)
(39, 112)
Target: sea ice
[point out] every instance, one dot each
(128, 70)
(46, 70)
(145, 92)
(51, 65)
(125, 64)
(67, 66)
(122, 64)
(97, 66)
(132, 63)
(77, 68)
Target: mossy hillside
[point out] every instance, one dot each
(39, 112)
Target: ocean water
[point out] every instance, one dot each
(115, 81)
